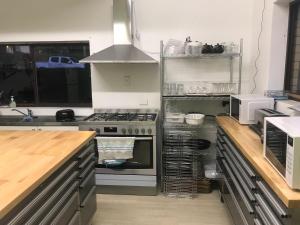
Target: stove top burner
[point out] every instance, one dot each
(121, 117)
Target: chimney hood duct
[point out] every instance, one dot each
(123, 50)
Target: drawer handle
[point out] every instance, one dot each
(86, 151)
(82, 185)
(267, 210)
(86, 161)
(240, 191)
(257, 222)
(262, 215)
(84, 202)
(241, 169)
(59, 205)
(249, 170)
(220, 154)
(248, 192)
(42, 194)
(235, 201)
(53, 197)
(280, 210)
(88, 168)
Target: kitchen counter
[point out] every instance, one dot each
(38, 121)
(29, 158)
(251, 147)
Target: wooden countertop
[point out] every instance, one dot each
(251, 147)
(27, 158)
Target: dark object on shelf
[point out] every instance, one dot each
(204, 185)
(218, 49)
(66, 115)
(206, 49)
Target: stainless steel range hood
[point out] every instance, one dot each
(123, 50)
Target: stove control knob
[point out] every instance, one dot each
(136, 131)
(130, 131)
(149, 131)
(123, 131)
(98, 131)
(143, 131)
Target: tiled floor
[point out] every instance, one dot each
(159, 210)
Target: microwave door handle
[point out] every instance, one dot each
(143, 138)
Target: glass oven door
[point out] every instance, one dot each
(143, 161)
(276, 147)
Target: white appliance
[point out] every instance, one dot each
(288, 107)
(243, 107)
(282, 147)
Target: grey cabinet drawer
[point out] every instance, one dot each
(278, 207)
(86, 184)
(86, 151)
(267, 211)
(242, 174)
(67, 212)
(90, 157)
(85, 171)
(63, 179)
(75, 219)
(239, 157)
(88, 207)
(51, 207)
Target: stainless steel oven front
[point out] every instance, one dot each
(142, 163)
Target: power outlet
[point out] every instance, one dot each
(143, 101)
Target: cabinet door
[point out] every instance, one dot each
(57, 128)
(18, 128)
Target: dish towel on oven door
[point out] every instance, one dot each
(110, 148)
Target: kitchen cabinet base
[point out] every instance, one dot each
(126, 190)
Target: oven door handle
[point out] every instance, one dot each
(143, 138)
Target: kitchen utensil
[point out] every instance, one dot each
(194, 119)
(218, 49)
(65, 115)
(206, 49)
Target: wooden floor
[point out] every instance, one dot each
(159, 210)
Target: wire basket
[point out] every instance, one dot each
(182, 164)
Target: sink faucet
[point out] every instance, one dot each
(28, 116)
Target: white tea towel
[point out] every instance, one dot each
(115, 148)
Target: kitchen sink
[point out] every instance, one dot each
(36, 121)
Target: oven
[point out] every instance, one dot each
(138, 174)
(142, 163)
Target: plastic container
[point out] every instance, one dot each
(194, 119)
(175, 117)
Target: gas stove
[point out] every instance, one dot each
(121, 123)
(108, 117)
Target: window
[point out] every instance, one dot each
(45, 74)
(292, 73)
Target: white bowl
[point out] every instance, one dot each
(194, 119)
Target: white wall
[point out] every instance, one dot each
(271, 63)
(129, 86)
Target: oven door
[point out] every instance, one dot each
(142, 163)
(276, 147)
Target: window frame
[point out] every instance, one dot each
(294, 7)
(36, 97)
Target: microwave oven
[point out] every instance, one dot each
(282, 147)
(243, 107)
